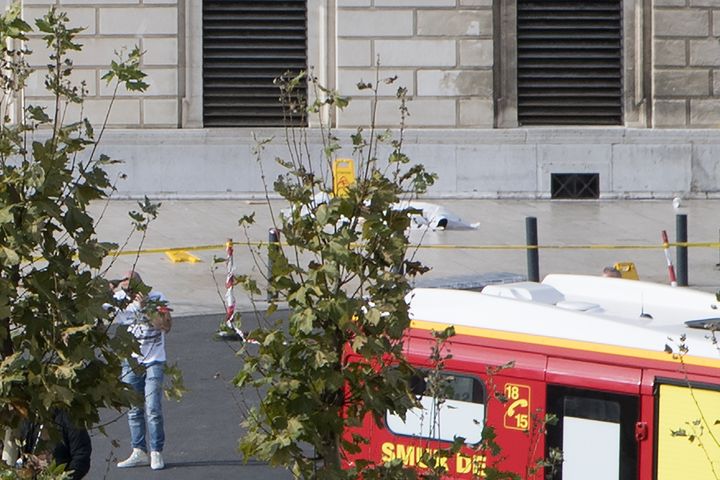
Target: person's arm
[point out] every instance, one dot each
(121, 316)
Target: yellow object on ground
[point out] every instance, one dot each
(179, 256)
(627, 270)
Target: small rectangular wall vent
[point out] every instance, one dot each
(574, 185)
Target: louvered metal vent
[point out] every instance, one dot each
(569, 62)
(246, 45)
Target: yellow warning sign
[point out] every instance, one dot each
(627, 270)
(343, 175)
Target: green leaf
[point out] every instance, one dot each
(6, 215)
(11, 256)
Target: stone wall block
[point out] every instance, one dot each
(148, 20)
(716, 83)
(104, 2)
(416, 53)
(415, 3)
(505, 168)
(705, 52)
(669, 113)
(680, 83)
(670, 53)
(162, 81)
(356, 114)
(36, 82)
(160, 112)
(705, 113)
(682, 23)
(476, 112)
(454, 22)
(706, 168)
(716, 23)
(705, 3)
(348, 78)
(124, 113)
(40, 53)
(354, 53)
(455, 83)
(476, 3)
(638, 168)
(437, 158)
(79, 17)
(354, 3)
(375, 23)
(476, 53)
(160, 51)
(423, 113)
(100, 51)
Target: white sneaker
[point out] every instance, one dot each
(156, 461)
(136, 459)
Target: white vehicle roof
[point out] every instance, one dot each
(608, 311)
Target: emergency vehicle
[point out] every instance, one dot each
(630, 369)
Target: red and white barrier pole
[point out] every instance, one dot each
(229, 283)
(229, 294)
(671, 269)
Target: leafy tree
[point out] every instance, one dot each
(343, 271)
(55, 350)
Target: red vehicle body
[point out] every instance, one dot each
(617, 393)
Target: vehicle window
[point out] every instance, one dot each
(460, 414)
(587, 419)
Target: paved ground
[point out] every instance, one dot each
(191, 288)
(202, 429)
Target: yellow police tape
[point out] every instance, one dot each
(222, 246)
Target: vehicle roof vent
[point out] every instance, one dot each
(579, 306)
(528, 291)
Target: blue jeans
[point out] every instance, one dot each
(147, 380)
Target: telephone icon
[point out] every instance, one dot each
(520, 403)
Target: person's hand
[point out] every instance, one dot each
(162, 319)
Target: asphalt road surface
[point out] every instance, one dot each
(203, 428)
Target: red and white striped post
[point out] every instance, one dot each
(229, 284)
(229, 293)
(671, 269)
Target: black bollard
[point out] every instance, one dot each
(273, 244)
(681, 252)
(533, 257)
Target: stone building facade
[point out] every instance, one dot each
(459, 61)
